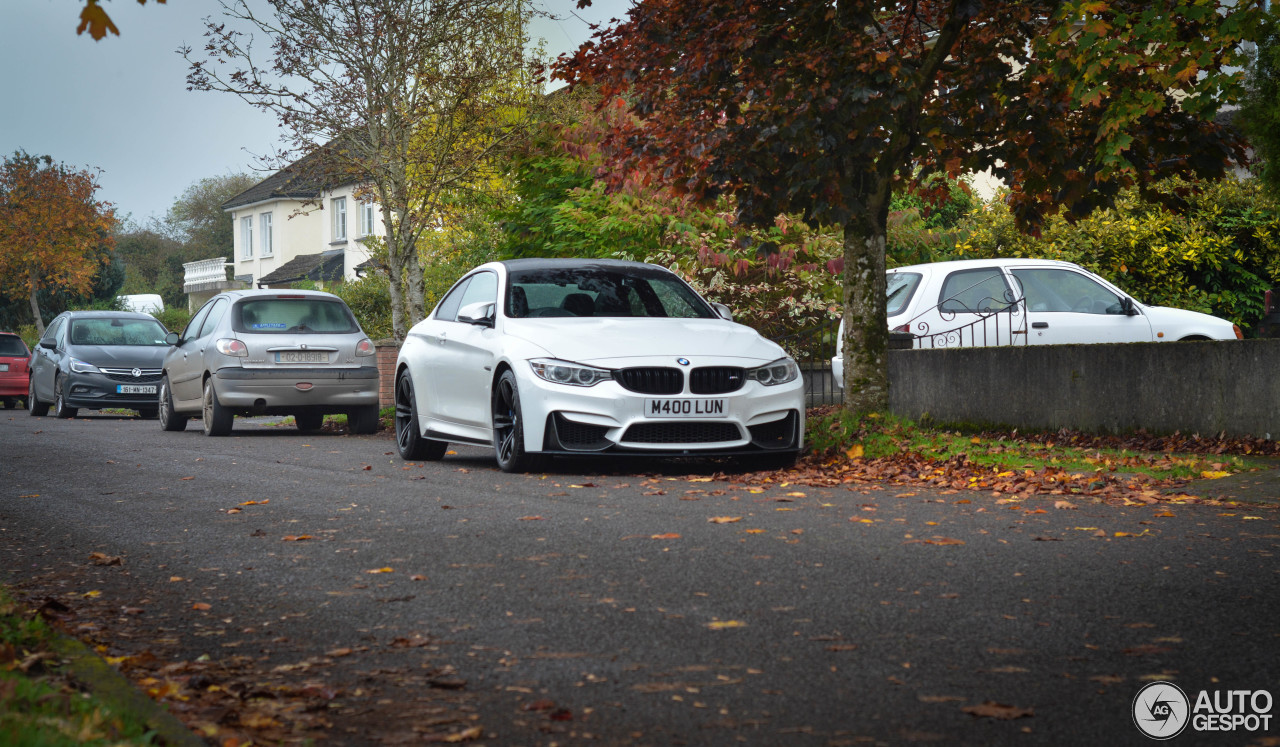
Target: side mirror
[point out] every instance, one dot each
(479, 314)
(1127, 308)
(723, 311)
(49, 344)
(173, 338)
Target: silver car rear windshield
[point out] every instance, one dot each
(600, 292)
(292, 315)
(109, 331)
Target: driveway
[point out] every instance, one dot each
(278, 586)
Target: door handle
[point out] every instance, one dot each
(1039, 325)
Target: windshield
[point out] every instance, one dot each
(602, 292)
(116, 331)
(900, 286)
(306, 315)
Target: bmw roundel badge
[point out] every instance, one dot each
(682, 361)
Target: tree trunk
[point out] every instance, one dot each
(415, 289)
(33, 283)
(395, 273)
(866, 333)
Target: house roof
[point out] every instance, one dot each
(301, 180)
(322, 267)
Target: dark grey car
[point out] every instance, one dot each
(270, 352)
(95, 360)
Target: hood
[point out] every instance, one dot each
(597, 340)
(120, 356)
(1179, 323)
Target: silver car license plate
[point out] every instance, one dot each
(301, 356)
(135, 389)
(686, 408)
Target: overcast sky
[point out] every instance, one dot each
(121, 104)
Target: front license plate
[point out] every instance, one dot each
(685, 408)
(292, 356)
(135, 389)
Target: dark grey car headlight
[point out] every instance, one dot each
(565, 372)
(780, 371)
(79, 366)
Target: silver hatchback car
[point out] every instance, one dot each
(270, 352)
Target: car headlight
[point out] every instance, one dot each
(779, 372)
(564, 372)
(79, 366)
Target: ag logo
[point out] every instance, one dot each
(1161, 710)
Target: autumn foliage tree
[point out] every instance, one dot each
(53, 229)
(818, 108)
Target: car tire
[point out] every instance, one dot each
(308, 421)
(363, 421)
(60, 407)
(34, 405)
(169, 420)
(508, 427)
(217, 419)
(409, 440)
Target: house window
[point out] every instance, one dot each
(264, 227)
(246, 237)
(340, 219)
(366, 218)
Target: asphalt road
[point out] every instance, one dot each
(619, 607)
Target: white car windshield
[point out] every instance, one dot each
(601, 292)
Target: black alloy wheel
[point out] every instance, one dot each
(410, 442)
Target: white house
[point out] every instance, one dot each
(288, 227)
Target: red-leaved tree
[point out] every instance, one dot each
(817, 107)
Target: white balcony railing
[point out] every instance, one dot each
(204, 271)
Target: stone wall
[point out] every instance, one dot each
(1230, 387)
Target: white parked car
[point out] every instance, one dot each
(986, 302)
(576, 357)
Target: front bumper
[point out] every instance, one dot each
(98, 391)
(609, 419)
(265, 390)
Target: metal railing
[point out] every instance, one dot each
(812, 349)
(1002, 322)
(992, 323)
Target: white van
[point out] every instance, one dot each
(146, 303)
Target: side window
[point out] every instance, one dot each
(193, 326)
(483, 288)
(1064, 290)
(215, 315)
(448, 309)
(974, 291)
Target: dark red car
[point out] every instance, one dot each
(14, 373)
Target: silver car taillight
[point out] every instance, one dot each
(365, 347)
(232, 347)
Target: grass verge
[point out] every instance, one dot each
(41, 703)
